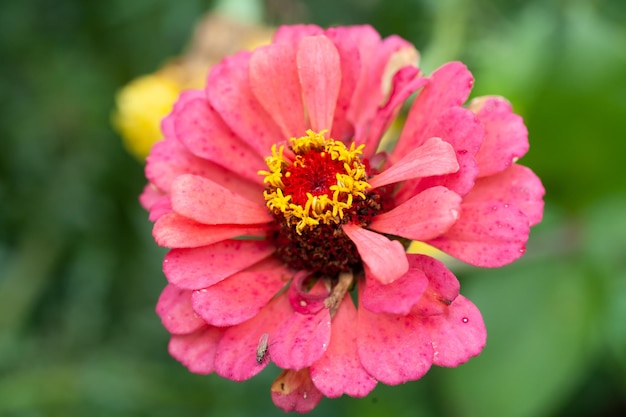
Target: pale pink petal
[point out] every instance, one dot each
(197, 350)
(202, 131)
(320, 77)
(169, 159)
(175, 231)
(506, 136)
(393, 348)
(160, 208)
(301, 340)
(384, 259)
(434, 157)
(398, 297)
(207, 202)
(174, 309)
(294, 391)
(228, 90)
(443, 287)
(293, 34)
(457, 335)
(198, 268)
(274, 82)
(486, 235)
(150, 195)
(339, 370)
(517, 185)
(449, 86)
(423, 217)
(236, 357)
(242, 295)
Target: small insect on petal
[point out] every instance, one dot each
(261, 350)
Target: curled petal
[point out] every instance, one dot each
(197, 350)
(443, 287)
(197, 268)
(207, 202)
(506, 136)
(397, 297)
(294, 391)
(320, 77)
(237, 356)
(339, 370)
(175, 231)
(242, 295)
(303, 299)
(301, 340)
(457, 335)
(384, 259)
(174, 309)
(487, 235)
(425, 216)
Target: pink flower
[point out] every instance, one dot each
(279, 209)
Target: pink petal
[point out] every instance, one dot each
(198, 268)
(202, 131)
(197, 350)
(294, 391)
(160, 208)
(175, 231)
(274, 82)
(301, 340)
(236, 357)
(393, 348)
(434, 157)
(425, 216)
(174, 309)
(457, 335)
(398, 297)
(242, 295)
(169, 159)
(486, 235)
(302, 297)
(228, 90)
(320, 77)
(449, 86)
(443, 287)
(506, 136)
(150, 195)
(339, 370)
(207, 202)
(384, 259)
(293, 34)
(517, 185)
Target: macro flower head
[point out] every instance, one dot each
(288, 224)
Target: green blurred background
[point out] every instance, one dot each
(80, 274)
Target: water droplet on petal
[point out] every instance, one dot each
(465, 319)
(506, 206)
(494, 208)
(522, 250)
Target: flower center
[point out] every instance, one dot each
(311, 194)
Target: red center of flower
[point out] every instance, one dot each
(313, 173)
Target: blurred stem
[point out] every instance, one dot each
(449, 27)
(250, 11)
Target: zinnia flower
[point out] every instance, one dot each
(288, 226)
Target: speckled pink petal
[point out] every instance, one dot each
(294, 391)
(425, 216)
(202, 131)
(198, 268)
(242, 295)
(398, 297)
(319, 72)
(274, 82)
(393, 348)
(175, 231)
(228, 90)
(486, 235)
(197, 350)
(207, 202)
(506, 136)
(302, 297)
(457, 335)
(339, 370)
(443, 286)
(169, 159)
(174, 309)
(434, 157)
(449, 86)
(301, 340)
(236, 357)
(385, 259)
(517, 185)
